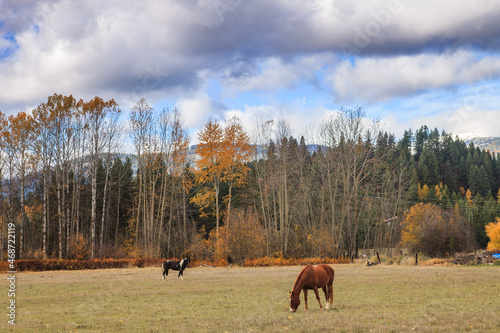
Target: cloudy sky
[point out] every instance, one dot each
(407, 63)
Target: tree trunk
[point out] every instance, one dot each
(104, 200)
(45, 213)
(93, 218)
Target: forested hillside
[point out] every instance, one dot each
(487, 143)
(70, 195)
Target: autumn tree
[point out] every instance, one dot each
(3, 217)
(22, 135)
(236, 151)
(45, 154)
(245, 238)
(222, 153)
(62, 109)
(434, 232)
(210, 167)
(493, 233)
(99, 116)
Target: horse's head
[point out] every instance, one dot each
(294, 301)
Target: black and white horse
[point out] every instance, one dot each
(176, 266)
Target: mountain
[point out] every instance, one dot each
(488, 143)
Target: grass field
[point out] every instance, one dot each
(367, 299)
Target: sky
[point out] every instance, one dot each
(407, 63)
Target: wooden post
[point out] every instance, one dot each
(378, 257)
(416, 259)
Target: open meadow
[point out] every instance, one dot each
(366, 299)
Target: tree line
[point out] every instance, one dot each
(71, 192)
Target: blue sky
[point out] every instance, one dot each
(406, 63)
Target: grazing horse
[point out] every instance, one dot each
(311, 277)
(176, 266)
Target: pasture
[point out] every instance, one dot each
(366, 299)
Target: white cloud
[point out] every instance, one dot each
(170, 49)
(274, 73)
(196, 110)
(379, 79)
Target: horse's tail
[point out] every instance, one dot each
(331, 294)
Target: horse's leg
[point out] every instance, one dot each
(325, 291)
(181, 274)
(330, 294)
(305, 297)
(317, 297)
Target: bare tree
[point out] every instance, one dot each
(45, 153)
(98, 114)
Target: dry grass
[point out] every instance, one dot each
(378, 299)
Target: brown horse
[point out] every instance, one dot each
(313, 278)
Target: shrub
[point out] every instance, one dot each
(435, 233)
(79, 247)
(74, 264)
(493, 233)
(244, 236)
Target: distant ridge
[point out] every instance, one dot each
(487, 143)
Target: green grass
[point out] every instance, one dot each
(377, 299)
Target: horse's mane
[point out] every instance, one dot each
(299, 276)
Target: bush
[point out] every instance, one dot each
(74, 264)
(435, 233)
(244, 236)
(241, 239)
(79, 247)
(267, 261)
(493, 233)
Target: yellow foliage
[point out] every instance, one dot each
(129, 246)
(244, 236)
(468, 195)
(493, 232)
(322, 241)
(243, 239)
(205, 200)
(423, 191)
(415, 217)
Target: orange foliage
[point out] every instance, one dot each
(79, 247)
(322, 241)
(411, 224)
(33, 213)
(129, 246)
(493, 232)
(244, 236)
(267, 261)
(423, 191)
(37, 265)
(468, 195)
(434, 232)
(222, 155)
